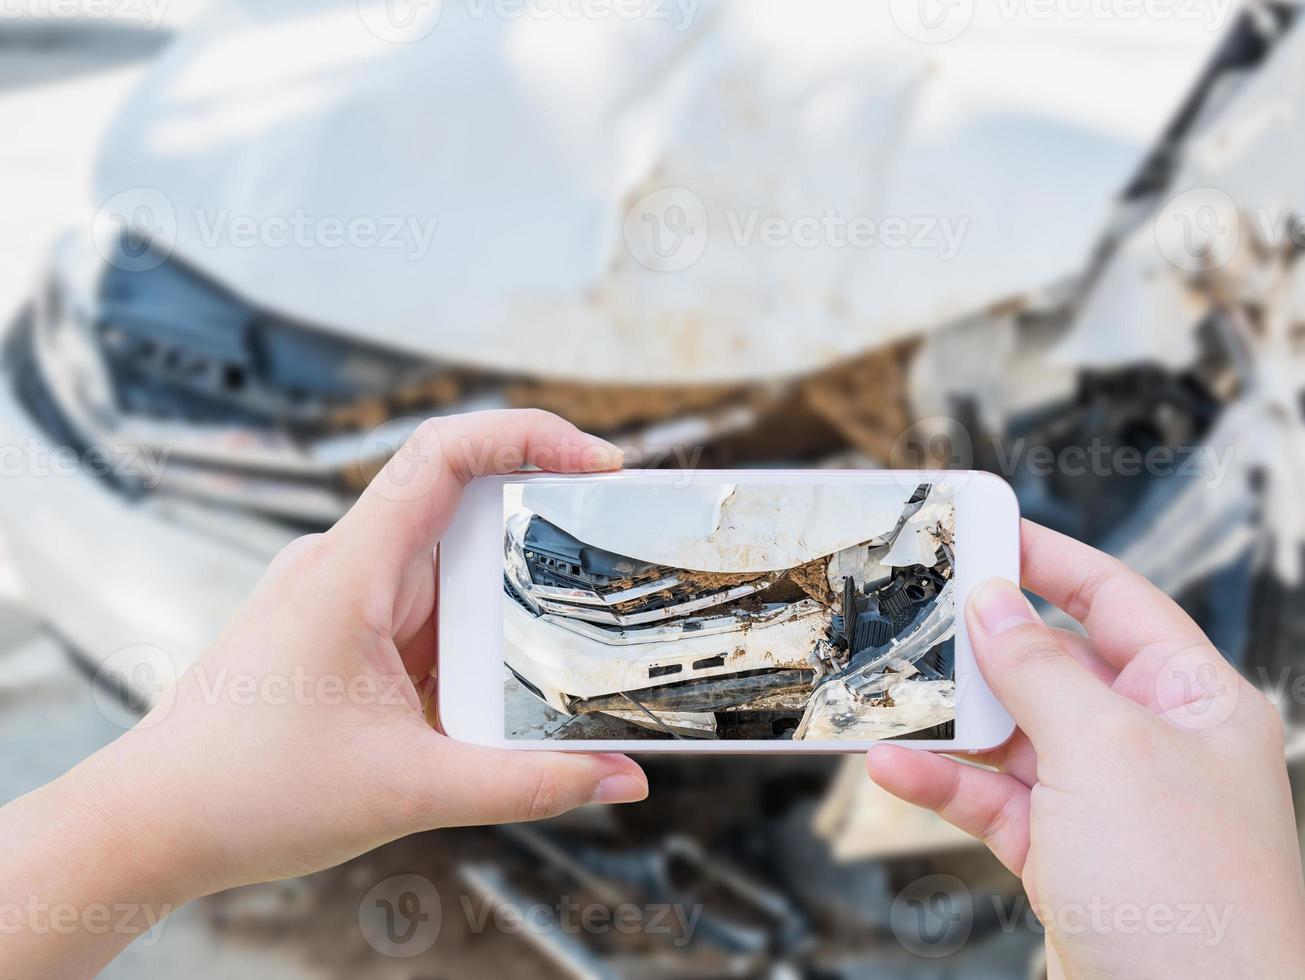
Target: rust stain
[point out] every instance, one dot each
(812, 578)
(609, 407)
(865, 399)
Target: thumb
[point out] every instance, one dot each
(471, 785)
(1051, 696)
(408, 505)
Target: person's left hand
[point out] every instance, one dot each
(299, 740)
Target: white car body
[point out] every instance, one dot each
(512, 137)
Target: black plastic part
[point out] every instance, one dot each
(560, 559)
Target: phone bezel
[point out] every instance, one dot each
(470, 670)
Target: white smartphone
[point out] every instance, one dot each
(721, 611)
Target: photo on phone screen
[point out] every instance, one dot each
(729, 611)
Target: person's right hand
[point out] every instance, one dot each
(1143, 799)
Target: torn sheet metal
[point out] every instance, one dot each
(925, 531)
(1138, 286)
(908, 707)
(720, 527)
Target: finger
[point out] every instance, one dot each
(1080, 648)
(418, 651)
(1030, 670)
(992, 806)
(1016, 755)
(1122, 611)
(407, 507)
(471, 785)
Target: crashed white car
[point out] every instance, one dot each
(224, 391)
(736, 610)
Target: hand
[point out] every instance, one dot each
(1143, 799)
(298, 740)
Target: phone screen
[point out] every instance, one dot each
(729, 611)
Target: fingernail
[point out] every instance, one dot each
(603, 455)
(620, 788)
(999, 605)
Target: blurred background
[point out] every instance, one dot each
(244, 246)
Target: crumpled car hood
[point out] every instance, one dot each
(526, 140)
(720, 527)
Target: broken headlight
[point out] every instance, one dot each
(515, 571)
(244, 407)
